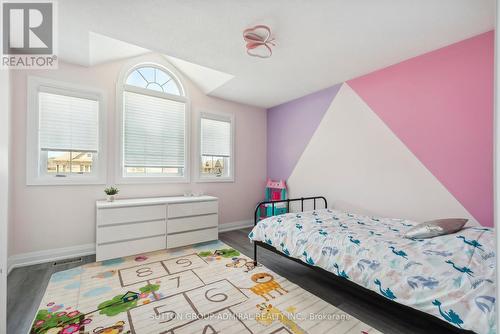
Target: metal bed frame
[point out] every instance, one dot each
(351, 287)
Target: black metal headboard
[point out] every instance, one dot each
(288, 201)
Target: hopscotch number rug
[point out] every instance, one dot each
(206, 289)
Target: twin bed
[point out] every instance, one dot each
(451, 277)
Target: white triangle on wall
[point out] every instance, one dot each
(360, 165)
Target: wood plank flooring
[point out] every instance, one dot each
(27, 285)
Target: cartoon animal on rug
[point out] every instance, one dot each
(219, 254)
(105, 274)
(269, 314)
(239, 262)
(265, 285)
(117, 328)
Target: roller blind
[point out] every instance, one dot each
(154, 131)
(68, 123)
(215, 137)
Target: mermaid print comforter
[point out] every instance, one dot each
(451, 277)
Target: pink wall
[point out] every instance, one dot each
(48, 217)
(441, 106)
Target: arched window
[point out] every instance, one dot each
(154, 124)
(154, 78)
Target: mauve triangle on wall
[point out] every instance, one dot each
(290, 126)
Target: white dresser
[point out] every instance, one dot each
(132, 226)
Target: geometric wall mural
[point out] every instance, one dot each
(360, 165)
(435, 112)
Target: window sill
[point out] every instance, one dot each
(215, 179)
(66, 181)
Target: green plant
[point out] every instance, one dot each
(111, 191)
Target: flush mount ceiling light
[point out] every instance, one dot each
(259, 41)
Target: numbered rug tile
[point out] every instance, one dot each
(208, 288)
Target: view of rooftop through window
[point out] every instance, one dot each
(214, 166)
(60, 162)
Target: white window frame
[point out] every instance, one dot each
(36, 160)
(121, 87)
(221, 116)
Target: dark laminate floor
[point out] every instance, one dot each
(26, 287)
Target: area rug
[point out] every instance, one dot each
(207, 289)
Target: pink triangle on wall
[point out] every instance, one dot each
(440, 105)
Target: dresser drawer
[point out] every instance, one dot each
(130, 231)
(130, 214)
(176, 225)
(120, 249)
(192, 209)
(189, 238)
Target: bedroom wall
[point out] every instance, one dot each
(4, 192)
(63, 217)
(412, 140)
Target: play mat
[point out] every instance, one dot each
(207, 289)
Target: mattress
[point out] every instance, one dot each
(451, 277)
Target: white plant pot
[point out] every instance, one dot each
(111, 198)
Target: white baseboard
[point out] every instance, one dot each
(235, 225)
(49, 255)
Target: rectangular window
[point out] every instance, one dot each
(153, 136)
(64, 134)
(216, 147)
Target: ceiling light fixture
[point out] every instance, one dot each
(259, 41)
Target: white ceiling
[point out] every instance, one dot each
(103, 49)
(320, 43)
(206, 78)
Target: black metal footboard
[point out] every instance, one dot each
(314, 199)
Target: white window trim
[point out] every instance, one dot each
(34, 175)
(120, 89)
(216, 115)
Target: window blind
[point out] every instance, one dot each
(154, 131)
(68, 123)
(215, 137)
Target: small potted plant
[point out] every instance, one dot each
(111, 193)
